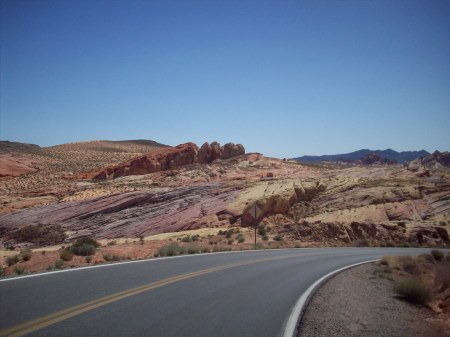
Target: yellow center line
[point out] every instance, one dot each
(42, 322)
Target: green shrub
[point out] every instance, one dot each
(59, 264)
(278, 237)
(413, 291)
(12, 260)
(437, 255)
(66, 254)
(26, 254)
(84, 246)
(19, 270)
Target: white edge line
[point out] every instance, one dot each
(289, 328)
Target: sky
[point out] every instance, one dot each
(284, 78)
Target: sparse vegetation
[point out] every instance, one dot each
(26, 254)
(171, 249)
(361, 243)
(19, 269)
(59, 264)
(40, 235)
(12, 260)
(278, 237)
(413, 290)
(84, 246)
(66, 254)
(437, 255)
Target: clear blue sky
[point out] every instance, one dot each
(284, 78)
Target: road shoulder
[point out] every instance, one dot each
(355, 303)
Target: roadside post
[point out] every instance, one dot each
(255, 211)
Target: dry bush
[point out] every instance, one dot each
(413, 290)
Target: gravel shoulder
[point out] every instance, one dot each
(357, 303)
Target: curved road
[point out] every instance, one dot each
(226, 294)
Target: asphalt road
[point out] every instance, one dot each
(227, 294)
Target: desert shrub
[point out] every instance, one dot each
(40, 235)
(59, 264)
(195, 237)
(88, 259)
(193, 250)
(66, 254)
(84, 246)
(229, 233)
(360, 243)
(205, 250)
(412, 290)
(170, 249)
(109, 257)
(278, 237)
(230, 241)
(384, 261)
(265, 237)
(437, 255)
(18, 269)
(12, 260)
(389, 243)
(401, 224)
(262, 230)
(112, 243)
(2, 271)
(187, 238)
(426, 257)
(240, 238)
(26, 254)
(408, 264)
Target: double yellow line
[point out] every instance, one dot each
(40, 323)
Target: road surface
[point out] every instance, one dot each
(226, 294)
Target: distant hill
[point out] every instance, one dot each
(7, 147)
(400, 157)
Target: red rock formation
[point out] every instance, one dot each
(170, 158)
(155, 161)
(232, 150)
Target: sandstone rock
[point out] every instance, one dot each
(232, 150)
(170, 158)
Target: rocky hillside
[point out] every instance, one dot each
(385, 205)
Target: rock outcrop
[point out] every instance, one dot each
(275, 197)
(435, 160)
(171, 158)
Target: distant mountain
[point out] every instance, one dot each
(389, 154)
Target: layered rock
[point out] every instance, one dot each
(170, 158)
(274, 197)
